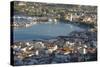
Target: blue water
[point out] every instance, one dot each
(45, 31)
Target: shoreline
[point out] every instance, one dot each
(57, 37)
(63, 21)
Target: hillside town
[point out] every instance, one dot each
(78, 47)
(44, 12)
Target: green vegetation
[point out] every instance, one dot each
(43, 9)
(76, 13)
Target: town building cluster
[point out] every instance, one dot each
(78, 47)
(44, 12)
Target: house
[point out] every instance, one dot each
(27, 43)
(36, 52)
(51, 48)
(39, 45)
(21, 3)
(82, 50)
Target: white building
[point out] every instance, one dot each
(37, 52)
(39, 45)
(55, 48)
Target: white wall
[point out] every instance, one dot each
(5, 32)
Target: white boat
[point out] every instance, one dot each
(55, 20)
(50, 20)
